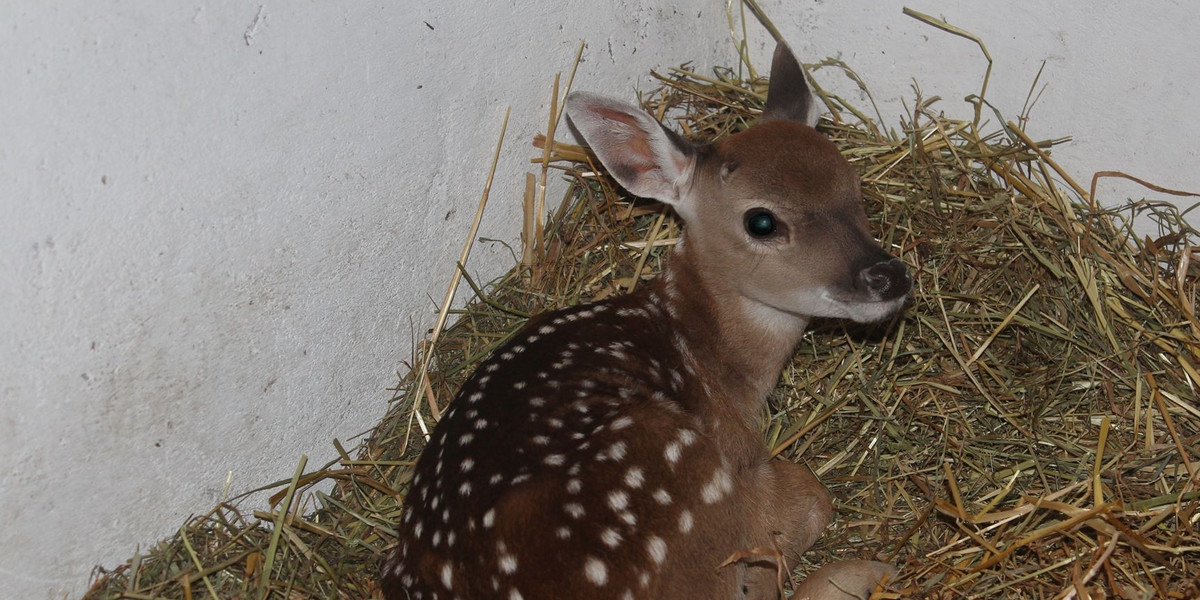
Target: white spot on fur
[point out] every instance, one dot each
(489, 518)
(610, 537)
(716, 489)
(687, 437)
(618, 500)
(662, 497)
(447, 573)
(574, 509)
(657, 549)
(621, 423)
(685, 521)
(595, 570)
(671, 453)
(634, 477)
(508, 564)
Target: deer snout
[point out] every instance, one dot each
(886, 280)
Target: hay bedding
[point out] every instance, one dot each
(1027, 429)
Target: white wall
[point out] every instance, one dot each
(1121, 78)
(216, 247)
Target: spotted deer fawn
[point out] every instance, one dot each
(612, 450)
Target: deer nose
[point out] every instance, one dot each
(886, 280)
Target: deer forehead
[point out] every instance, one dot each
(788, 164)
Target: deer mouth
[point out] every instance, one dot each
(859, 309)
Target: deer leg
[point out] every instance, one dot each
(792, 511)
(799, 509)
(802, 508)
(843, 580)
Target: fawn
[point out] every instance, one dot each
(612, 450)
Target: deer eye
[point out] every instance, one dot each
(760, 222)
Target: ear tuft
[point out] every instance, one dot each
(788, 96)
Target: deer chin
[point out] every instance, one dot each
(800, 309)
(774, 318)
(857, 309)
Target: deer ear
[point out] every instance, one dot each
(646, 158)
(788, 97)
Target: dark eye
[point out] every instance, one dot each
(760, 222)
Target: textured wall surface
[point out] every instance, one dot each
(1122, 79)
(223, 222)
(223, 225)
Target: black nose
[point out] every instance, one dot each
(887, 280)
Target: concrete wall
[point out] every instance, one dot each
(223, 226)
(1121, 78)
(223, 221)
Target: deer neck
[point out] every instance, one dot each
(738, 347)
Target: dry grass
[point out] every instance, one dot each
(1028, 428)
